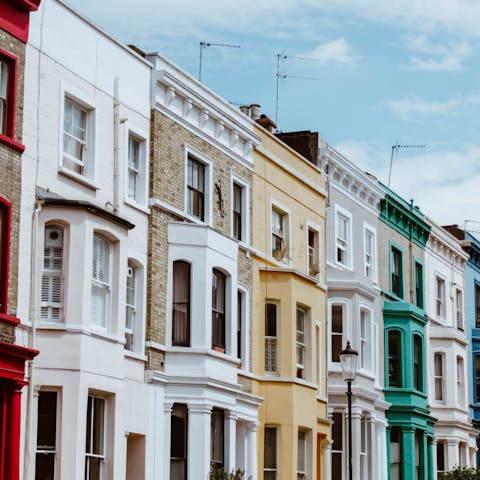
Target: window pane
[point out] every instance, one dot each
(270, 448)
(337, 332)
(217, 437)
(218, 309)
(394, 359)
(181, 304)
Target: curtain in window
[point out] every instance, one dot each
(181, 304)
(218, 309)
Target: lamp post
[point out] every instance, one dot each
(348, 357)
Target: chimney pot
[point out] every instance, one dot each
(244, 109)
(254, 111)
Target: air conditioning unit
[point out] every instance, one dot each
(54, 237)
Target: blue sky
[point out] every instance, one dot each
(385, 71)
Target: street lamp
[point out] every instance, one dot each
(348, 357)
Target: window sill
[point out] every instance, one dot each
(196, 220)
(51, 326)
(13, 144)
(137, 206)
(342, 266)
(79, 178)
(9, 319)
(135, 355)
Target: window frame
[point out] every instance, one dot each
(314, 257)
(459, 309)
(348, 248)
(281, 255)
(88, 104)
(439, 377)
(220, 422)
(183, 413)
(5, 232)
(345, 313)
(139, 318)
(477, 304)
(460, 379)
(476, 373)
(245, 208)
(440, 308)
(106, 285)
(301, 339)
(274, 468)
(340, 424)
(419, 300)
(417, 363)
(54, 273)
(141, 198)
(441, 445)
(302, 437)
(365, 341)
(188, 341)
(100, 456)
(364, 450)
(244, 324)
(270, 339)
(396, 248)
(399, 358)
(7, 133)
(368, 229)
(49, 451)
(194, 155)
(399, 432)
(219, 316)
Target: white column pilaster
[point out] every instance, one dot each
(453, 458)
(328, 458)
(251, 463)
(356, 432)
(230, 441)
(199, 418)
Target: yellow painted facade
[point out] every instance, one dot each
(291, 276)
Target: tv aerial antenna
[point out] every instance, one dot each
(203, 46)
(281, 76)
(395, 149)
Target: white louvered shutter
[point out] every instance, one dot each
(100, 301)
(52, 277)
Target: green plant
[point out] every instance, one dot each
(462, 473)
(221, 474)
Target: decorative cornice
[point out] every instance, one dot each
(198, 109)
(348, 178)
(404, 217)
(446, 246)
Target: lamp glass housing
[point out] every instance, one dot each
(348, 358)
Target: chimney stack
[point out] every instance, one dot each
(254, 111)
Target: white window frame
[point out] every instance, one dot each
(345, 327)
(347, 248)
(302, 437)
(459, 316)
(269, 338)
(301, 339)
(439, 378)
(102, 457)
(235, 179)
(460, 377)
(315, 253)
(368, 229)
(55, 451)
(141, 198)
(285, 212)
(82, 100)
(139, 318)
(440, 303)
(208, 187)
(106, 285)
(52, 274)
(365, 338)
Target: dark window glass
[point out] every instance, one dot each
(396, 272)
(477, 377)
(337, 332)
(440, 458)
(394, 366)
(217, 438)
(46, 436)
(395, 454)
(178, 442)
(237, 211)
(270, 337)
(196, 188)
(181, 304)
(477, 306)
(337, 446)
(218, 309)
(239, 323)
(418, 285)
(417, 362)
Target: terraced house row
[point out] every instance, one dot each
(178, 281)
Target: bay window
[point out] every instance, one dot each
(101, 282)
(181, 304)
(218, 309)
(271, 313)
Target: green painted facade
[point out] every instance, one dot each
(410, 426)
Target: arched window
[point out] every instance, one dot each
(394, 359)
(438, 366)
(52, 275)
(178, 442)
(218, 309)
(417, 363)
(181, 304)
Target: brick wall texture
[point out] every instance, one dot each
(167, 181)
(10, 179)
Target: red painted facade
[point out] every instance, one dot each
(14, 19)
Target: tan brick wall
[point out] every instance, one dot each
(10, 179)
(167, 171)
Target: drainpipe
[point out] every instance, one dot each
(33, 312)
(116, 147)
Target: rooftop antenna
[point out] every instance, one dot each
(395, 149)
(280, 75)
(203, 46)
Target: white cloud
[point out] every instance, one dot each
(445, 184)
(412, 107)
(436, 57)
(335, 51)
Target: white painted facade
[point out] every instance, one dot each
(354, 314)
(196, 376)
(87, 110)
(455, 438)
